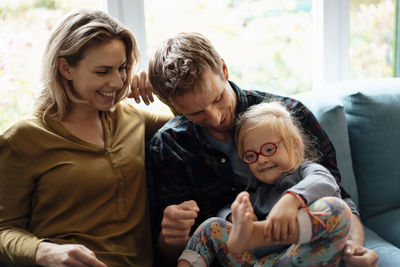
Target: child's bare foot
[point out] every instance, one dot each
(242, 224)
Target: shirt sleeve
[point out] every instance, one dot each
(316, 182)
(165, 171)
(154, 122)
(17, 245)
(225, 212)
(352, 206)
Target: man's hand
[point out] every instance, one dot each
(177, 222)
(141, 87)
(54, 255)
(358, 256)
(355, 255)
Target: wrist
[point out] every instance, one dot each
(295, 199)
(170, 250)
(42, 251)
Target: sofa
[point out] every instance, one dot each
(362, 119)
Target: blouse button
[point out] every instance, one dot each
(223, 160)
(120, 200)
(115, 165)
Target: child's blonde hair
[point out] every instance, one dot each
(282, 123)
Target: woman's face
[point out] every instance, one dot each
(100, 75)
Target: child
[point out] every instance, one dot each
(297, 202)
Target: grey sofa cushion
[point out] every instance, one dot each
(389, 255)
(385, 224)
(372, 110)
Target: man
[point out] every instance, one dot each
(194, 171)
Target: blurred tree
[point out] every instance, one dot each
(24, 29)
(371, 38)
(49, 4)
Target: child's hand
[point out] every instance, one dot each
(281, 221)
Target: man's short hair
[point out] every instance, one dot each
(178, 65)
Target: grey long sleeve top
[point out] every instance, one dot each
(310, 180)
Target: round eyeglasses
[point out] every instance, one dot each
(267, 150)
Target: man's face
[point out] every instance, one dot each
(211, 104)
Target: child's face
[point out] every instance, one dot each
(266, 169)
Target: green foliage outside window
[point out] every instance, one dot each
(24, 29)
(267, 44)
(371, 38)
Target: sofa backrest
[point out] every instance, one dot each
(372, 109)
(329, 111)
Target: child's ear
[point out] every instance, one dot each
(297, 143)
(298, 148)
(64, 68)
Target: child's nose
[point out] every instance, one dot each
(262, 159)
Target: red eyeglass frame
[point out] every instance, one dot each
(260, 153)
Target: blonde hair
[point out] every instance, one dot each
(178, 65)
(75, 33)
(282, 123)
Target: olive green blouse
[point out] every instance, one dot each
(56, 187)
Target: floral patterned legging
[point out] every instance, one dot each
(324, 249)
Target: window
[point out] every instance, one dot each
(25, 27)
(371, 38)
(266, 44)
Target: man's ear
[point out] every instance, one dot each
(225, 70)
(64, 68)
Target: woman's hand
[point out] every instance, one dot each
(141, 87)
(50, 254)
(281, 221)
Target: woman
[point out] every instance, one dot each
(72, 176)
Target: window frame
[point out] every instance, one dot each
(131, 13)
(331, 39)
